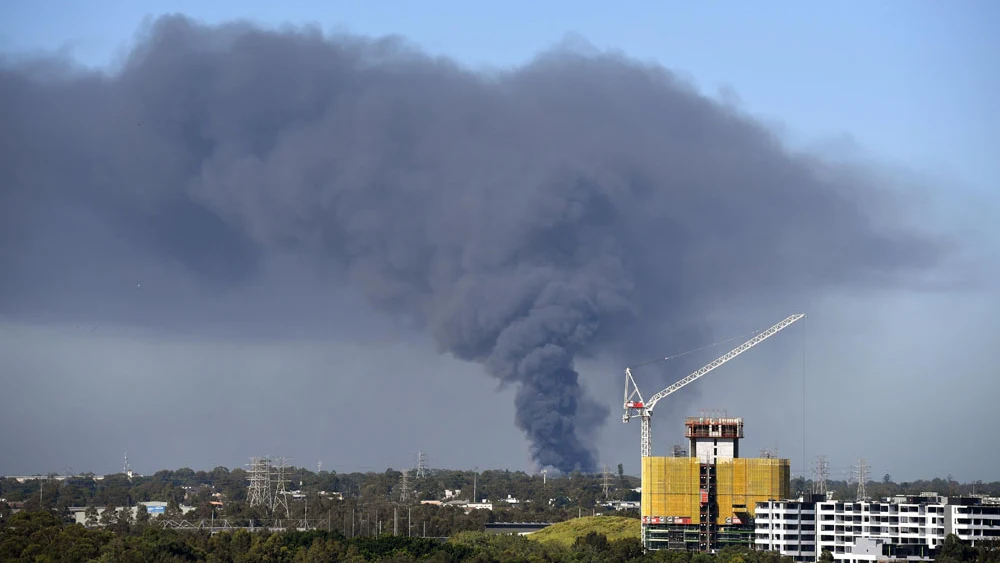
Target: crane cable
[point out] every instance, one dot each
(712, 345)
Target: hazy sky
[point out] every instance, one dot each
(298, 362)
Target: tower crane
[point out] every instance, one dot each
(636, 406)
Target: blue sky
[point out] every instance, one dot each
(912, 83)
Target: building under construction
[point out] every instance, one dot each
(705, 500)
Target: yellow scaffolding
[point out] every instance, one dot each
(743, 482)
(670, 488)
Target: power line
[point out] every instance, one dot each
(712, 345)
(803, 395)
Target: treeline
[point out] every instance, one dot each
(582, 489)
(365, 503)
(575, 490)
(565, 494)
(377, 501)
(887, 487)
(42, 536)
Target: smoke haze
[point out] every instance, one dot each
(581, 205)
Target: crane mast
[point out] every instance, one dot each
(636, 406)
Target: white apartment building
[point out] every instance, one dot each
(788, 526)
(974, 522)
(901, 528)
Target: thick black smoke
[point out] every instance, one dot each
(578, 205)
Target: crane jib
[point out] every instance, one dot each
(646, 407)
(722, 359)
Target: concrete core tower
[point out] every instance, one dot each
(711, 439)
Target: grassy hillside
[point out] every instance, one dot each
(614, 527)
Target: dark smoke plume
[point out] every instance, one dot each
(579, 205)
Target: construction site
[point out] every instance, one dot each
(705, 501)
(703, 498)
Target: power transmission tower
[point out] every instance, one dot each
(421, 464)
(254, 495)
(280, 494)
(404, 487)
(259, 493)
(128, 468)
(862, 470)
(607, 481)
(822, 472)
(265, 470)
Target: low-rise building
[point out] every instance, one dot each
(153, 508)
(469, 506)
(621, 504)
(899, 528)
(518, 528)
(973, 519)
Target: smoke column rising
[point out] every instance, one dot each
(582, 204)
